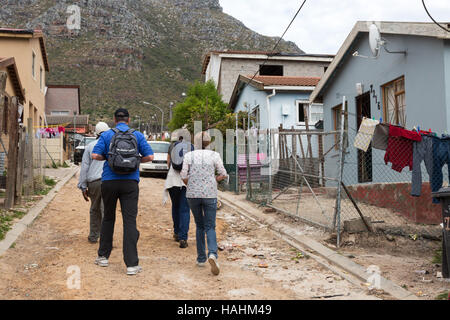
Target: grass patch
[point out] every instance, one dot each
(442, 296)
(43, 186)
(6, 220)
(437, 258)
(49, 182)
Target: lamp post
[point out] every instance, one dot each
(139, 117)
(170, 108)
(74, 132)
(162, 114)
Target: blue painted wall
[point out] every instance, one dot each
(426, 69)
(283, 99)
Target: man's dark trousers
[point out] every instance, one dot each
(127, 191)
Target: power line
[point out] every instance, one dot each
(278, 42)
(425, 7)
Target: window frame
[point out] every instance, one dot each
(33, 64)
(261, 66)
(41, 78)
(384, 88)
(305, 116)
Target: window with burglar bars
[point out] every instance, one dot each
(394, 109)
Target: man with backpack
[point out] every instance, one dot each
(124, 149)
(175, 187)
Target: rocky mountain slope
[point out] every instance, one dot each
(128, 51)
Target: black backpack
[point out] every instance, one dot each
(178, 152)
(123, 155)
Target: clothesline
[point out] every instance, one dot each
(53, 126)
(407, 148)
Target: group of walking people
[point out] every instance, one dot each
(110, 172)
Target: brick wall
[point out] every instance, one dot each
(396, 196)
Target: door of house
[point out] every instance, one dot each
(364, 158)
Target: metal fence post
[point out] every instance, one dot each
(341, 169)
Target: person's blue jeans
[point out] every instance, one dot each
(204, 211)
(180, 212)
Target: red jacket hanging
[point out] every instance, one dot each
(400, 148)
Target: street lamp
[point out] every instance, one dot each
(170, 108)
(74, 132)
(162, 114)
(139, 122)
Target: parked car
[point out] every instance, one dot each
(159, 163)
(79, 151)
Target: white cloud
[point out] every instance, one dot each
(323, 25)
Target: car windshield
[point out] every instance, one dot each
(160, 147)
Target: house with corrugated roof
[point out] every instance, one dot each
(224, 67)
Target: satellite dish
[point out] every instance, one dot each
(375, 41)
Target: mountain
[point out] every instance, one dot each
(128, 51)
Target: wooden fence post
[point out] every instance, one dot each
(29, 184)
(20, 167)
(12, 154)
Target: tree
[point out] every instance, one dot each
(203, 103)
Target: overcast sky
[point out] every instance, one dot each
(323, 25)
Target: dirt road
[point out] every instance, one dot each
(254, 264)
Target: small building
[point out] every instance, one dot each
(27, 47)
(277, 102)
(287, 98)
(224, 67)
(62, 100)
(408, 84)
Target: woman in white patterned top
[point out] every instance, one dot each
(199, 175)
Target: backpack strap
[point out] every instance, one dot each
(115, 130)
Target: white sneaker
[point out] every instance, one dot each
(214, 264)
(201, 264)
(133, 270)
(102, 261)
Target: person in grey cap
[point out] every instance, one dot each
(90, 183)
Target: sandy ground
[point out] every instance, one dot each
(407, 262)
(254, 264)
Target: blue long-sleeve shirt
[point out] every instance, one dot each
(102, 148)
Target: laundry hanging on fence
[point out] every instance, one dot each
(49, 133)
(381, 136)
(365, 134)
(422, 151)
(399, 151)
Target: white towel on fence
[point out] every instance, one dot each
(365, 134)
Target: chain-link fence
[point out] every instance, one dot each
(373, 190)
(386, 176)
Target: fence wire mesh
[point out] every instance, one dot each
(306, 182)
